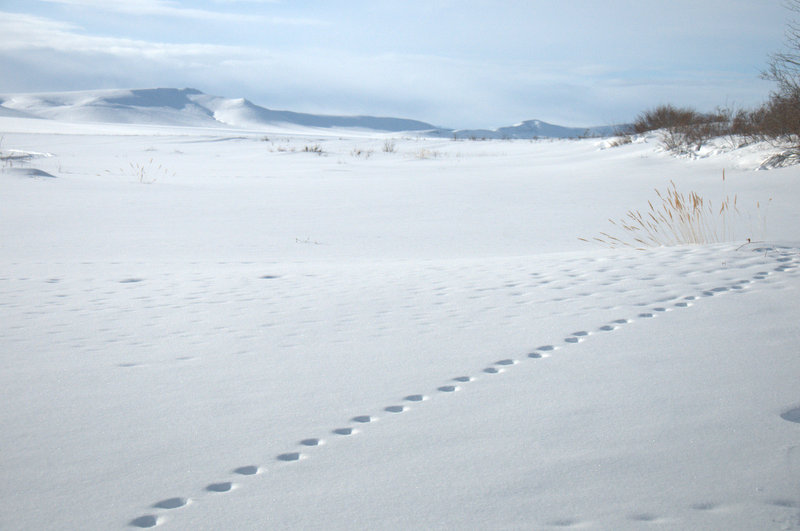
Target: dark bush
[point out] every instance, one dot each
(683, 128)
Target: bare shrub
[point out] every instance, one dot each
(682, 128)
(361, 152)
(620, 141)
(316, 148)
(663, 117)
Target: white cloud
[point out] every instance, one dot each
(27, 32)
(298, 70)
(172, 9)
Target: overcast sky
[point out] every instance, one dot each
(467, 63)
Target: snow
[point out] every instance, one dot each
(214, 328)
(181, 107)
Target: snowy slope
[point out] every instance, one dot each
(186, 107)
(200, 329)
(190, 107)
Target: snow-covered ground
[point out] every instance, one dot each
(228, 329)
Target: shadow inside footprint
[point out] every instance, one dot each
(145, 521)
(705, 506)
(395, 409)
(311, 442)
(225, 486)
(414, 398)
(785, 503)
(462, 379)
(290, 456)
(246, 470)
(793, 415)
(343, 431)
(534, 355)
(448, 388)
(171, 503)
(363, 419)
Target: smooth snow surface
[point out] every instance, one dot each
(228, 329)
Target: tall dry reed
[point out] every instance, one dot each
(678, 219)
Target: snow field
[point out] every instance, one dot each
(278, 339)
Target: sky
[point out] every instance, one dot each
(453, 63)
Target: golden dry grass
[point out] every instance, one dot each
(677, 220)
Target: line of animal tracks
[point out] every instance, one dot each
(240, 474)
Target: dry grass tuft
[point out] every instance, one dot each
(679, 219)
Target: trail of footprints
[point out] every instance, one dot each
(497, 367)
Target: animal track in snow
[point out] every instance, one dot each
(790, 504)
(248, 470)
(704, 506)
(662, 303)
(224, 486)
(171, 503)
(793, 415)
(643, 517)
(146, 521)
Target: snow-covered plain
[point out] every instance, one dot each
(228, 329)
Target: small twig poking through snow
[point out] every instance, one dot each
(307, 241)
(148, 174)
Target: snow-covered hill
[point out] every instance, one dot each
(187, 107)
(532, 129)
(190, 107)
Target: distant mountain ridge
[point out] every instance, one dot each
(190, 107)
(530, 129)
